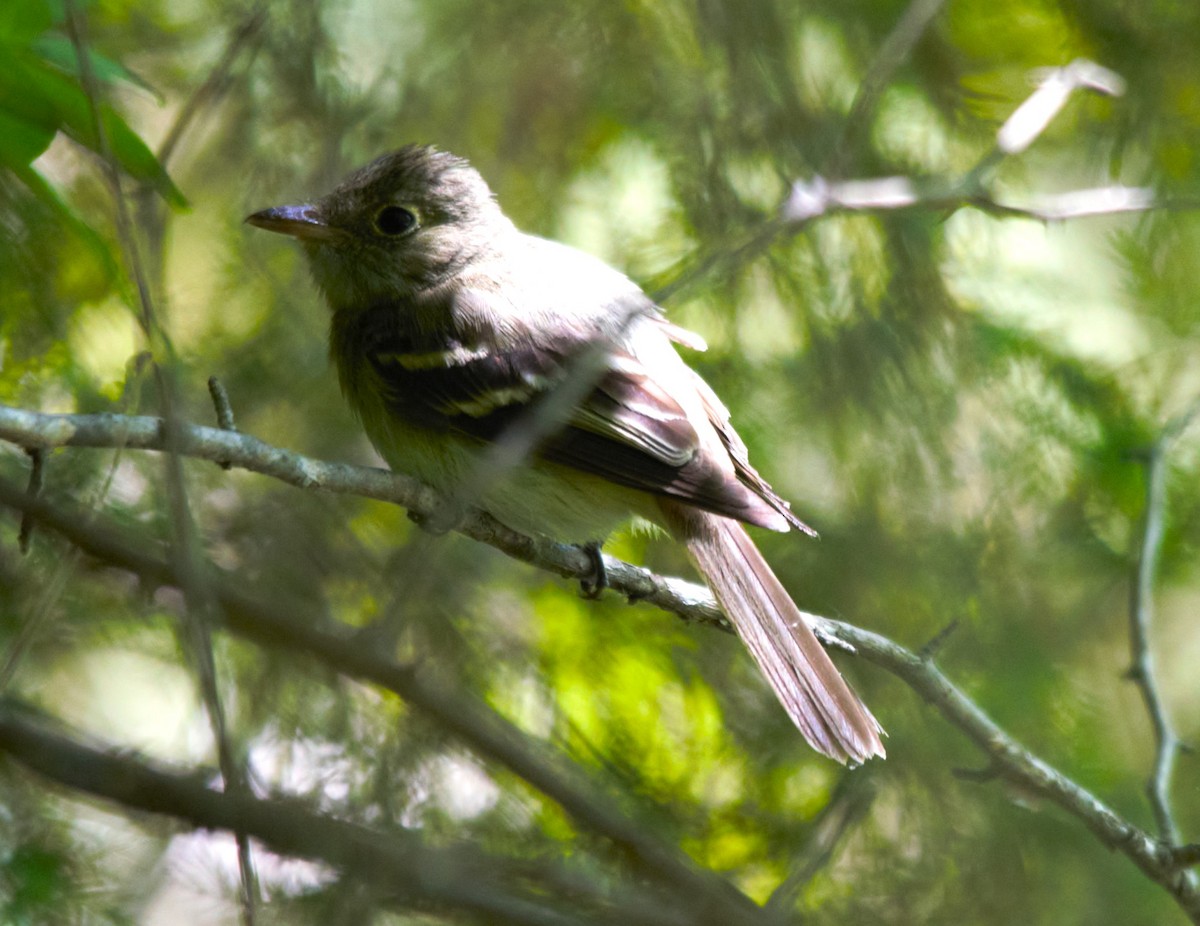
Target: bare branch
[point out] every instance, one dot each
(1030, 119)
(1141, 616)
(490, 736)
(1019, 766)
(35, 429)
(221, 404)
(818, 197)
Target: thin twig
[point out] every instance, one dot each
(818, 198)
(242, 38)
(1055, 88)
(1142, 663)
(935, 644)
(224, 409)
(221, 404)
(847, 807)
(185, 547)
(1141, 668)
(894, 51)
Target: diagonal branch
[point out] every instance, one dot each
(1016, 764)
(405, 869)
(907, 32)
(489, 734)
(293, 626)
(36, 429)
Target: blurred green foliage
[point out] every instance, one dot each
(956, 401)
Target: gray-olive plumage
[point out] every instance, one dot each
(453, 332)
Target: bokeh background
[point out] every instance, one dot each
(960, 401)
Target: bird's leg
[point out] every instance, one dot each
(597, 582)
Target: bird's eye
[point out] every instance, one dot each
(394, 221)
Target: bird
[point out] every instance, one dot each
(457, 338)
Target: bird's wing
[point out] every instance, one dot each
(626, 426)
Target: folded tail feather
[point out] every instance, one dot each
(827, 711)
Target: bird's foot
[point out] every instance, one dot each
(597, 582)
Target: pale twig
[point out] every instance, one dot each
(1055, 88)
(819, 197)
(1011, 760)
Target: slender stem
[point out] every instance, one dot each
(1141, 669)
(184, 548)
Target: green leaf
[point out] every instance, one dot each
(42, 96)
(21, 141)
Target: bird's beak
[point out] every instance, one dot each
(303, 222)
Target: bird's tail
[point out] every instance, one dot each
(804, 678)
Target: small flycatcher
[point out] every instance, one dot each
(453, 331)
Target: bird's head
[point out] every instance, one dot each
(403, 223)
